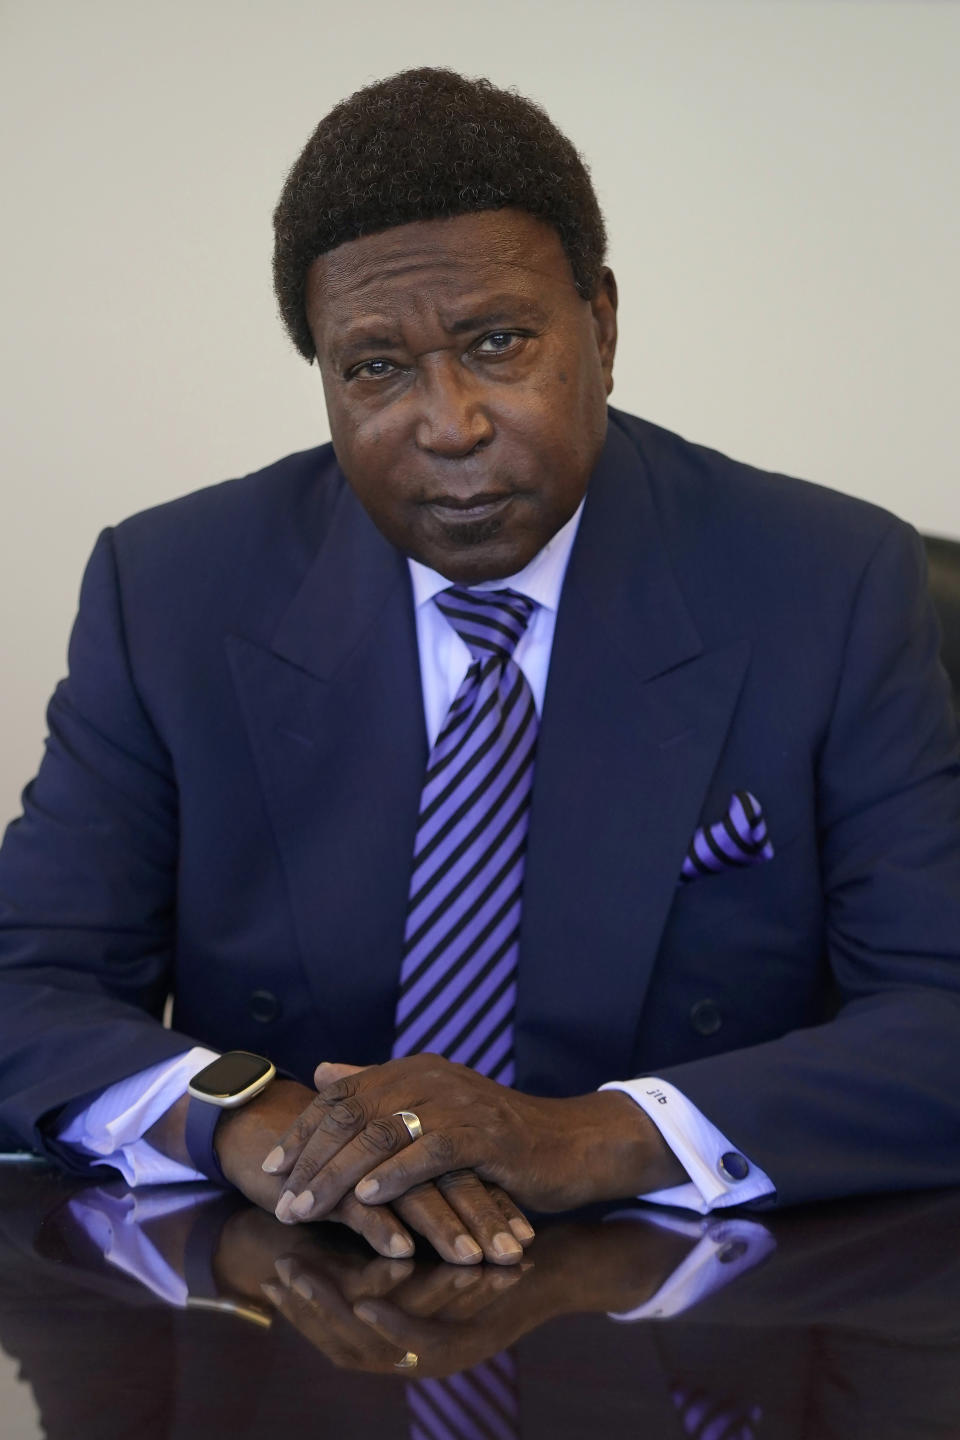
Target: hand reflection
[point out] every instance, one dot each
(368, 1314)
(197, 1246)
(455, 1312)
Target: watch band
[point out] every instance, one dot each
(202, 1118)
(210, 1217)
(203, 1290)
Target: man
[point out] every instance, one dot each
(511, 738)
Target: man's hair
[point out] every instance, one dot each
(425, 145)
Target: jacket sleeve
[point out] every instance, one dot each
(870, 1100)
(87, 887)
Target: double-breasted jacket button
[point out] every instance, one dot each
(264, 1006)
(705, 1017)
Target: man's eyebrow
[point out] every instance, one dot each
(505, 312)
(360, 340)
(368, 340)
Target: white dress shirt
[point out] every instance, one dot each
(111, 1128)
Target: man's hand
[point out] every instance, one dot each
(463, 1219)
(548, 1154)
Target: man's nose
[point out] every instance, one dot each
(452, 421)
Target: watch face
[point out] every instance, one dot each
(231, 1074)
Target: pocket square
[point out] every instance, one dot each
(737, 840)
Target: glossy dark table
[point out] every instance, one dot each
(839, 1321)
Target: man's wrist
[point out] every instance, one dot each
(168, 1133)
(239, 1132)
(623, 1152)
(253, 1130)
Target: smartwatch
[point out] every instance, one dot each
(222, 1085)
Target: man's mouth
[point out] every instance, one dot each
(461, 510)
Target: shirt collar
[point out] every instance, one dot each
(541, 580)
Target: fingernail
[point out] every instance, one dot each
(366, 1313)
(284, 1269)
(366, 1189)
(304, 1286)
(273, 1292)
(303, 1204)
(282, 1211)
(505, 1245)
(521, 1229)
(399, 1246)
(273, 1161)
(467, 1249)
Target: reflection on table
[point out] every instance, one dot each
(183, 1311)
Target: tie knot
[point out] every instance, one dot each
(489, 622)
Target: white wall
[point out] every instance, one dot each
(779, 178)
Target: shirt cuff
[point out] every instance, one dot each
(719, 1174)
(115, 1224)
(113, 1125)
(724, 1250)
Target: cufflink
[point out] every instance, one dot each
(733, 1166)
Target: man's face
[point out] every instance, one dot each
(466, 385)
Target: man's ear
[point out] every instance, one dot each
(604, 307)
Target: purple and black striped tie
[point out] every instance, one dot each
(458, 981)
(476, 1404)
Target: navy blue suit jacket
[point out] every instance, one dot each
(228, 804)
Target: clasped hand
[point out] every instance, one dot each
(547, 1154)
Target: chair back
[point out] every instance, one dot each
(944, 560)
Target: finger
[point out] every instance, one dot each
(494, 1280)
(427, 1289)
(372, 1280)
(328, 1323)
(385, 1232)
(332, 1118)
(448, 1293)
(431, 1339)
(378, 1277)
(320, 1179)
(394, 1327)
(482, 1216)
(434, 1154)
(329, 1071)
(513, 1215)
(443, 1345)
(330, 1122)
(426, 1211)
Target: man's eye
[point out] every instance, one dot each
(373, 369)
(497, 342)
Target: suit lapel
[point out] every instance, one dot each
(335, 716)
(634, 718)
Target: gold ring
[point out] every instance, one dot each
(411, 1359)
(414, 1129)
